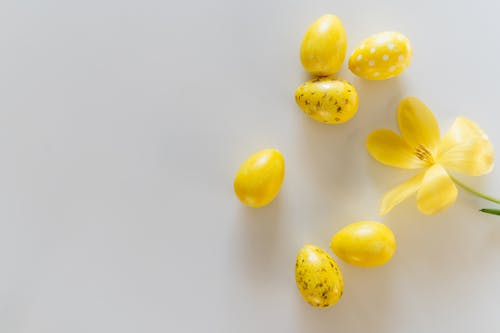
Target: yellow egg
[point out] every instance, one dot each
(324, 45)
(327, 100)
(381, 56)
(259, 178)
(365, 244)
(318, 277)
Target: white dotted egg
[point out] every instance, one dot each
(381, 56)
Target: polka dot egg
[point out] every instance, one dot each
(381, 56)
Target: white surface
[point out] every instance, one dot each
(122, 124)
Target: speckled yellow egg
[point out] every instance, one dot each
(259, 178)
(381, 56)
(324, 46)
(364, 244)
(318, 277)
(327, 100)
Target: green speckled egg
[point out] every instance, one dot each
(318, 277)
(327, 100)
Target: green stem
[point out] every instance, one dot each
(491, 211)
(473, 191)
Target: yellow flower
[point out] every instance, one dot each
(465, 149)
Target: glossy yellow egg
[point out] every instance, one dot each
(259, 178)
(318, 277)
(324, 45)
(381, 56)
(365, 244)
(327, 100)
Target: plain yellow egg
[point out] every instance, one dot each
(365, 244)
(381, 56)
(324, 46)
(328, 100)
(259, 179)
(318, 277)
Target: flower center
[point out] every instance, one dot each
(424, 154)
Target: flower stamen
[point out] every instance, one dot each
(424, 154)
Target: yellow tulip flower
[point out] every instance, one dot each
(464, 148)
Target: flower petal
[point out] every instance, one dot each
(466, 149)
(437, 192)
(475, 158)
(417, 124)
(390, 149)
(400, 192)
(463, 129)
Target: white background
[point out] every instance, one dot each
(123, 123)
